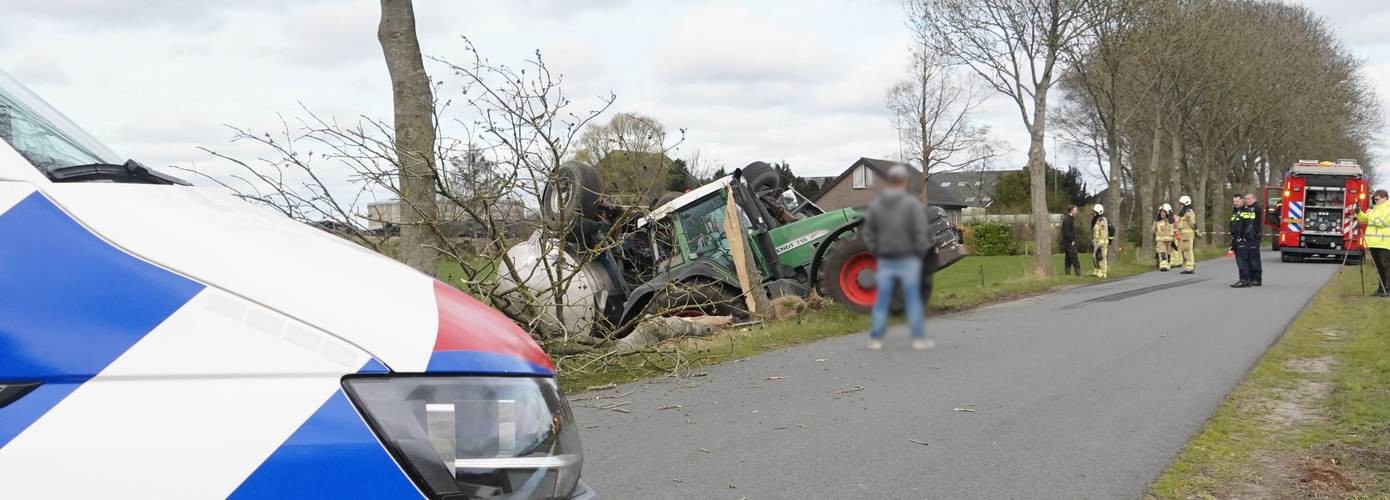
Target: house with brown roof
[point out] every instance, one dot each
(952, 191)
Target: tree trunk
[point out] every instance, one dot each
(1199, 197)
(1037, 167)
(1175, 180)
(1146, 189)
(922, 123)
(1117, 183)
(1221, 209)
(415, 134)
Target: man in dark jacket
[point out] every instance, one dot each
(1245, 240)
(898, 234)
(1072, 261)
(1252, 237)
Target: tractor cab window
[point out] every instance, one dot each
(703, 225)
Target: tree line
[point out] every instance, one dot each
(1169, 97)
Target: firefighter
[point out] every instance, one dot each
(1186, 235)
(1377, 232)
(1163, 236)
(1100, 239)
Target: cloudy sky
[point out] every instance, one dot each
(795, 80)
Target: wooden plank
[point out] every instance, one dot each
(750, 279)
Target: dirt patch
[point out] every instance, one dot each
(1297, 406)
(1323, 478)
(1332, 333)
(1311, 365)
(1288, 475)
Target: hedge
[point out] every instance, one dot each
(990, 238)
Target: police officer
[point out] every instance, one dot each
(1186, 234)
(1245, 241)
(1377, 227)
(1163, 236)
(1100, 238)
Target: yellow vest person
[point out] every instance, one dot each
(1163, 236)
(1376, 223)
(1100, 238)
(1186, 235)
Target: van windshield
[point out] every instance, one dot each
(42, 135)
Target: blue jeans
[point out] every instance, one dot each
(907, 273)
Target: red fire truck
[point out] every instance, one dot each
(1314, 213)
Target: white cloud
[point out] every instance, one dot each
(794, 80)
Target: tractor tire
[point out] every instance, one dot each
(571, 193)
(846, 276)
(762, 177)
(695, 297)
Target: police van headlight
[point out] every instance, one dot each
(475, 437)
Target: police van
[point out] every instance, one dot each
(159, 340)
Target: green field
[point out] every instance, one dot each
(1311, 419)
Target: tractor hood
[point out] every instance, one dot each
(406, 320)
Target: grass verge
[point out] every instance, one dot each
(1311, 419)
(973, 282)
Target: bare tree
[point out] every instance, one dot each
(414, 132)
(1016, 47)
(933, 107)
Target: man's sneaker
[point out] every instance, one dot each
(924, 344)
(1256, 283)
(875, 345)
(1240, 284)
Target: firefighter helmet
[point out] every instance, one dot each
(1099, 209)
(1166, 208)
(1185, 200)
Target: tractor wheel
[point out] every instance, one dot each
(847, 277)
(571, 192)
(695, 298)
(762, 177)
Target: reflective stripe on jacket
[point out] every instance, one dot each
(1377, 224)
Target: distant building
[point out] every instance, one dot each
(508, 213)
(952, 191)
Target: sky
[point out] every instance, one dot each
(801, 81)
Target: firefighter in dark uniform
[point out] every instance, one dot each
(1245, 241)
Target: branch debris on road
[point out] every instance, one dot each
(842, 392)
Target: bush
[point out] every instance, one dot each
(990, 239)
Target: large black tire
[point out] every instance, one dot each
(572, 192)
(763, 178)
(695, 297)
(845, 276)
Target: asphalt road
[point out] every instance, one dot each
(1083, 393)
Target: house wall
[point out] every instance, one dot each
(843, 195)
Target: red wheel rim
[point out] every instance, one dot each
(849, 279)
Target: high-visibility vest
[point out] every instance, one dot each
(1377, 224)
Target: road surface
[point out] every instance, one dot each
(1083, 393)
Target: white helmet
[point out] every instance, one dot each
(1166, 208)
(1185, 200)
(1099, 209)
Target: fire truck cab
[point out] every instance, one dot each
(1314, 213)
